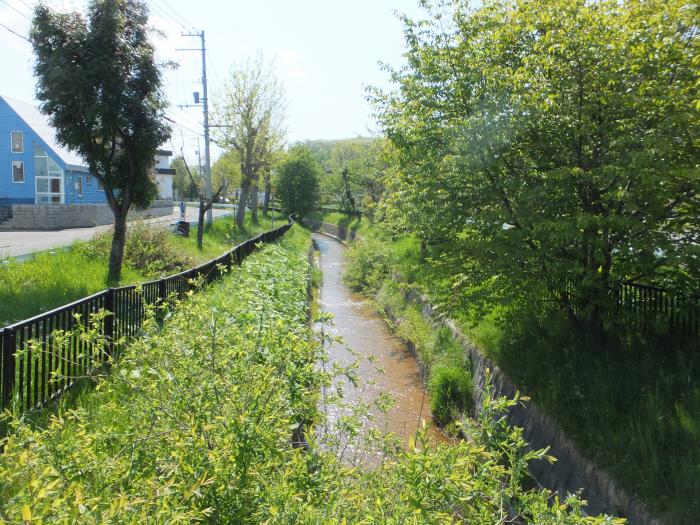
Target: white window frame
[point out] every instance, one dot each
(80, 189)
(12, 172)
(50, 177)
(12, 144)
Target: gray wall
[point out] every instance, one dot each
(62, 216)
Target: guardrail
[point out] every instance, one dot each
(40, 357)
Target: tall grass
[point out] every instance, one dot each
(47, 281)
(51, 279)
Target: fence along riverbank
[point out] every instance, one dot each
(32, 351)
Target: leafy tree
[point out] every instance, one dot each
(100, 85)
(298, 181)
(353, 171)
(251, 112)
(226, 172)
(552, 146)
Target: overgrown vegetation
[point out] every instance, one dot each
(550, 148)
(195, 423)
(297, 181)
(50, 280)
(634, 411)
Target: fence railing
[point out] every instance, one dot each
(650, 309)
(41, 357)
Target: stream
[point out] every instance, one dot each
(386, 366)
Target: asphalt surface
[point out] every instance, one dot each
(20, 243)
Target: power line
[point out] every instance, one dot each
(15, 32)
(174, 11)
(8, 4)
(173, 121)
(184, 115)
(157, 10)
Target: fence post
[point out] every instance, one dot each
(160, 303)
(109, 321)
(8, 366)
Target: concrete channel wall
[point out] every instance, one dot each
(571, 472)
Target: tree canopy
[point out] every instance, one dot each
(251, 110)
(100, 85)
(551, 142)
(298, 181)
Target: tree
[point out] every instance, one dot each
(100, 86)
(251, 112)
(205, 204)
(226, 172)
(551, 146)
(298, 181)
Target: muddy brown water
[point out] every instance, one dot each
(386, 366)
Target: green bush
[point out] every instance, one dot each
(368, 265)
(450, 390)
(147, 250)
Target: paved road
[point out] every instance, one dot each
(14, 244)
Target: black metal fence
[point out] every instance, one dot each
(41, 357)
(650, 309)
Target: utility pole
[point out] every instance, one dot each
(199, 157)
(205, 111)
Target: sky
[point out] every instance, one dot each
(325, 52)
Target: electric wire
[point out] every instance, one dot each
(167, 7)
(8, 4)
(15, 32)
(158, 11)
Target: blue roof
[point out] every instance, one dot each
(41, 126)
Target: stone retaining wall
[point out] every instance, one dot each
(571, 472)
(63, 216)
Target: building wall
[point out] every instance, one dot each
(165, 186)
(92, 192)
(162, 161)
(14, 193)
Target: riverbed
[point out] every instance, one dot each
(384, 363)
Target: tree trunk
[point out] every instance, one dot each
(268, 191)
(254, 202)
(242, 201)
(116, 256)
(200, 224)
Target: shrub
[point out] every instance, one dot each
(147, 250)
(450, 390)
(368, 265)
(297, 181)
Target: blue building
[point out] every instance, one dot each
(34, 168)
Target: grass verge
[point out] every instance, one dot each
(47, 280)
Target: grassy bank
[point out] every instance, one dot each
(195, 424)
(50, 280)
(635, 410)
